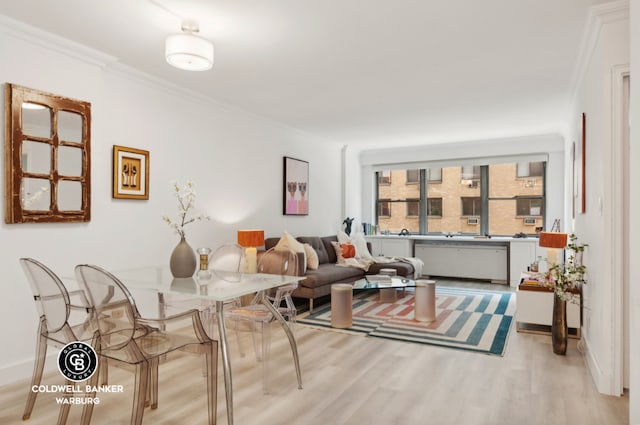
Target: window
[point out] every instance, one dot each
(492, 199)
(384, 208)
(413, 207)
(529, 206)
(471, 172)
(470, 176)
(471, 206)
(434, 175)
(384, 177)
(434, 207)
(513, 194)
(530, 169)
(413, 176)
(399, 202)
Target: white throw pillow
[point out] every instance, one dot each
(361, 246)
(312, 257)
(358, 241)
(289, 242)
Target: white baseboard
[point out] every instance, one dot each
(602, 380)
(23, 370)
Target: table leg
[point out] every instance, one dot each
(226, 365)
(287, 330)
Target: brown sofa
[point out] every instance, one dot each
(317, 283)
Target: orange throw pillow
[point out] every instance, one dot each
(348, 250)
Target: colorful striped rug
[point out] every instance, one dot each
(467, 319)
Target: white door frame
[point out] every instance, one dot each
(619, 226)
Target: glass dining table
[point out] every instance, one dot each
(220, 287)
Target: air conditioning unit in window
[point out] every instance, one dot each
(529, 221)
(473, 220)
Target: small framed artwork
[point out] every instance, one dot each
(295, 187)
(130, 173)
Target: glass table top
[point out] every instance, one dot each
(382, 282)
(220, 286)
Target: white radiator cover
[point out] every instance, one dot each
(464, 260)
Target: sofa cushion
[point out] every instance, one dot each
(312, 257)
(317, 245)
(330, 273)
(270, 243)
(333, 258)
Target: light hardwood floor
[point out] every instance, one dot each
(356, 380)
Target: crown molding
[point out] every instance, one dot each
(597, 17)
(112, 65)
(30, 34)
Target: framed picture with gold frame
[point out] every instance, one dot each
(130, 173)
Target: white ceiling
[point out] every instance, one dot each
(353, 71)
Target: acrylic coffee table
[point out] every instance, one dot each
(425, 293)
(394, 282)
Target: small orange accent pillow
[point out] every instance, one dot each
(348, 250)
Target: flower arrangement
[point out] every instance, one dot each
(566, 279)
(186, 196)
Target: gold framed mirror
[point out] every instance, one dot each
(47, 157)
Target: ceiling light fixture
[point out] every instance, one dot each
(188, 51)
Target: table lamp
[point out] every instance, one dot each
(250, 239)
(553, 241)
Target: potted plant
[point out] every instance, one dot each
(566, 280)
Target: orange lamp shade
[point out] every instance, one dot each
(553, 240)
(250, 238)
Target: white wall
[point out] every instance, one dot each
(608, 47)
(234, 157)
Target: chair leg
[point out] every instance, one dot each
(104, 371)
(142, 378)
(87, 409)
(257, 350)
(266, 347)
(65, 407)
(238, 337)
(38, 368)
(209, 318)
(211, 357)
(153, 373)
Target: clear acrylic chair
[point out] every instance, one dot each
(258, 316)
(225, 262)
(54, 306)
(119, 338)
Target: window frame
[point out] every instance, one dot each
(429, 209)
(413, 201)
(480, 206)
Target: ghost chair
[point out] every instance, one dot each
(258, 315)
(118, 338)
(54, 306)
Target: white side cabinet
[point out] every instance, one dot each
(384, 246)
(534, 311)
